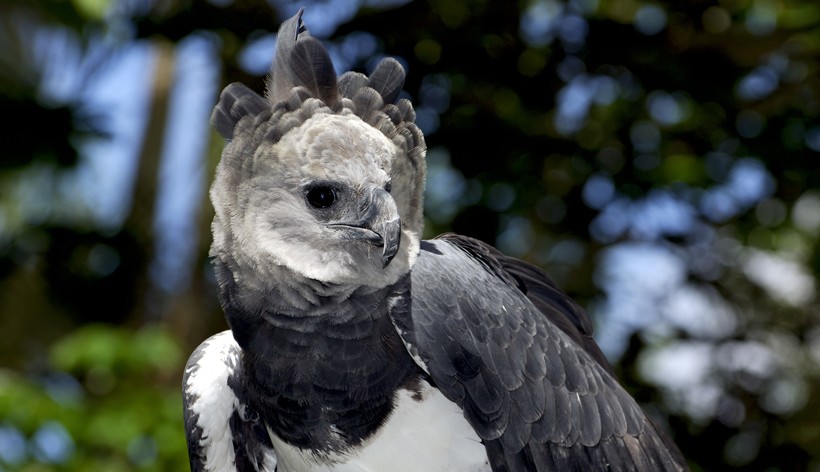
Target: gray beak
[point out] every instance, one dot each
(376, 221)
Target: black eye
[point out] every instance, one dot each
(388, 187)
(321, 196)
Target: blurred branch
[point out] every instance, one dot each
(140, 220)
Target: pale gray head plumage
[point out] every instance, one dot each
(324, 178)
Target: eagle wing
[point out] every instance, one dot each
(500, 340)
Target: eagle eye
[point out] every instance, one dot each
(321, 196)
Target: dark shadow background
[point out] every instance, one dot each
(660, 160)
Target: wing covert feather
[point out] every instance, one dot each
(530, 387)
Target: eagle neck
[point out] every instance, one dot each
(322, 376)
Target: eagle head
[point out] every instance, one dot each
(323, 177)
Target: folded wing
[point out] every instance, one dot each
(508, 347)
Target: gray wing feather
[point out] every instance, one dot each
(535, 396)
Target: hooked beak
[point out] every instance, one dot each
(377, 222)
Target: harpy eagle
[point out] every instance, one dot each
(356, 346)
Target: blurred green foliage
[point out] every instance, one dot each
(110, 401)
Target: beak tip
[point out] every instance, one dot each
(388, 254)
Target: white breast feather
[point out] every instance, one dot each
(430, 435)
